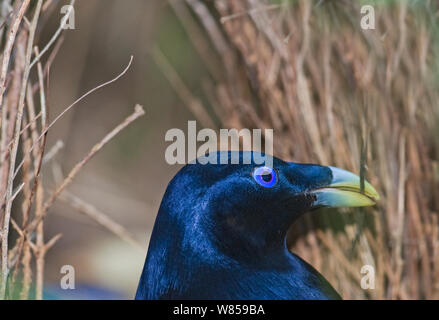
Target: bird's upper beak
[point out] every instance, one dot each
(345, 191)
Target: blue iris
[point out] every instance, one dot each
(265, 176)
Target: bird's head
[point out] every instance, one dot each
(245, 209)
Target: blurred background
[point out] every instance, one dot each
(335, 94)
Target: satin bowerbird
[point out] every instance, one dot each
(220, 232)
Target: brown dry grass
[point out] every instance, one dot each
(338, 95)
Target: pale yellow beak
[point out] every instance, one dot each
(345, 191)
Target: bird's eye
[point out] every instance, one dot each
(265, 176)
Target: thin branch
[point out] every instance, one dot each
(49, 244)
(73, 104)
(70, 107)
(53, 151)
(38, 187)
(13, 155)
(50, 60)
(100, 217)
(17, 191)
(23, 234)
(55, 35)
(8, 48)
(138, 112)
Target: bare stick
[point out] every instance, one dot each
(8, 48)
(73, 104)
(17, 247)
(38, 188)
(138, 112)
(53, 151)
(25, 249)
(50, 60)
(13, 155)
(67, 109)
(23, 130)
(100, 217)
(56, 34)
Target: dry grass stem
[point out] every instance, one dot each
(335, 94)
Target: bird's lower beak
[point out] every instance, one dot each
(345, 191)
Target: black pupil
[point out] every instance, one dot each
(266, 176)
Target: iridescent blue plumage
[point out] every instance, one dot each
(221, 235)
